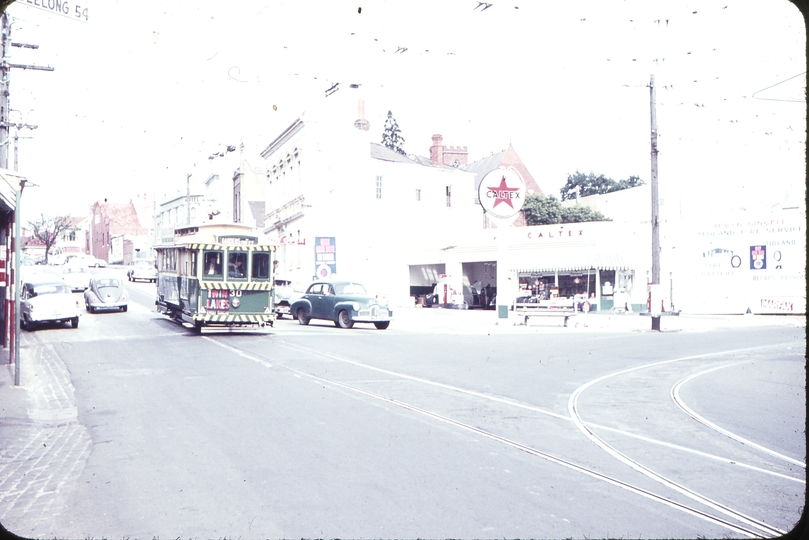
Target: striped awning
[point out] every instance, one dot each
(558, 260)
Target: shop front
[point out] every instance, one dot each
(576, 276)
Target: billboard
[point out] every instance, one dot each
(325, 257)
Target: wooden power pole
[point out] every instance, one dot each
(655, 213)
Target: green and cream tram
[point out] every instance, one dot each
(216, 276)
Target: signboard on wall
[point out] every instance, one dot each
(325, 257)
(747, 263)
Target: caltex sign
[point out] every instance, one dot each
(502, 193)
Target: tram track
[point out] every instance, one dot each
(731, 519)
(675, 396)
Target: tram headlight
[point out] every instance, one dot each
(235, 302)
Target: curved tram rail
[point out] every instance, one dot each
(732, 520)
(216, 277)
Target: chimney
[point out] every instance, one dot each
(362, 124)
(437, 150)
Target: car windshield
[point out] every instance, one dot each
(349, 288)
(51, 288)
(107, 282)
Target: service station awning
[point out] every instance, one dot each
(570, 260)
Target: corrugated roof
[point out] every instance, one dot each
(483, 166)
(573, 259)
(379, 151)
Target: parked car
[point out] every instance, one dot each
(105, 292)
(86, 260)
(344, 302)
(143, 271)
(94, 262)
(76, 276)
(47, 302)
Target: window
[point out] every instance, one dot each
(418, 194)
(449, 196)
(213, 264)
(378, 187)
(237, 265)
(261, 266)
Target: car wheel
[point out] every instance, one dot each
(343, 320)
(24, 324)
(381, 325)
(91, 309)
(302, 318)
(74, 322)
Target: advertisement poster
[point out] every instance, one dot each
(325, 257)
(744, 263)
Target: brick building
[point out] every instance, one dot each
(113, 231)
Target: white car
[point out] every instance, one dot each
(47, 302)
(86, 260)
(76, 276)
(142, 271)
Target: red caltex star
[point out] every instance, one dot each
(502, 193)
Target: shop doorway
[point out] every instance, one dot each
(480, 284)
(423, 279)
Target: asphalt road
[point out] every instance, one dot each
(139, 429)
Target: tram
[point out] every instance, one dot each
(216, 277)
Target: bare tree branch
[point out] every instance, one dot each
(48, 229)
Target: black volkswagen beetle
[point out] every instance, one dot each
(344, 302)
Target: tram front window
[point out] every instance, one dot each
(237, 265)
(261, 266)
(213, 264)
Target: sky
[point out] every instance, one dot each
(143, 92)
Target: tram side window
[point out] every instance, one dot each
(237, 265)
(213, 264)
(261, 266)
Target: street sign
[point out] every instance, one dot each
(66, 9)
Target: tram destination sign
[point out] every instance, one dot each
(67, 9)
(238, 240)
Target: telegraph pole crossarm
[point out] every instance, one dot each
(27, 66)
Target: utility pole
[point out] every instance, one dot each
(5, 69)
(188, 197)
(654, 306)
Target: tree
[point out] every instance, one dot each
(48, 229)
(590, 184)
(392, 136)
(541, 210)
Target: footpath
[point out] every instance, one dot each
(473, 321)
